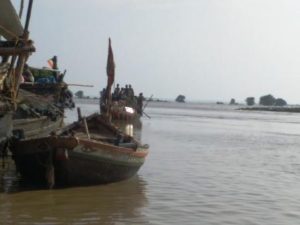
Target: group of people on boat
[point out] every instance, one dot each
(124, 95)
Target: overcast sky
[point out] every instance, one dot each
(204, 49)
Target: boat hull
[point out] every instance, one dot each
(88, 163)
(37, 127)
(5, 132)
(55, 93)
(77, 172)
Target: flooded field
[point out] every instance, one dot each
(208, 164)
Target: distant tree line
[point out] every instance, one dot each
(266, 100)
(180, 98)
(80, 94)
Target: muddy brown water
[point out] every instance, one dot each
(208, 164)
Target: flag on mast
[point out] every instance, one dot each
(50, 63)
(110, 67)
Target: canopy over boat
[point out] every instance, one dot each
(10, 24)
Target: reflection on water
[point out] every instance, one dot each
(129, 130)
(106, 204)
(9, 180)
(133, 129)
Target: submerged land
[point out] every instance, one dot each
(292, 109)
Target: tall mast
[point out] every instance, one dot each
(23, 55)
(110, 71)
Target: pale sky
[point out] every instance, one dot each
(204, 49)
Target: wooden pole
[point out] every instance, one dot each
(86, 128)
(81, 85)
(21, 9)
(109, 106)
(28, 16)
(146, 115)
(79, 113)
(147, 103)
(8, 51)
(23, 56)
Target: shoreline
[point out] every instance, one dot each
(291, 109)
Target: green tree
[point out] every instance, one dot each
(250, 101)
(280, 102)
(79, 94)
(232, 101)
(267, 100)
(180, 98)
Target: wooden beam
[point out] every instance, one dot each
(16, 51)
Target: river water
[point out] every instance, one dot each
(208, 164)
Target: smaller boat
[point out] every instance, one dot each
(122, 104)
(87, 152)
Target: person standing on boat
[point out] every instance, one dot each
(103, 100)
(103, 96)
(122, 95)
(130, 92)
(140, 100)
(116, 95)
(126, 90)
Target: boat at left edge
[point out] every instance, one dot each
(15, 48)
(90, 151)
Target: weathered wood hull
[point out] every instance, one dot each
(76, 160)
(37, 127)
(83, 165)
(98, 165)
(5, 131)
(54, 93)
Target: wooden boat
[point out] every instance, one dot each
(120, 106)
(49, 84)
(35, 117)
(5, 127)
(87, 152)
(40, 117)
(15, 48)
(36, 127)
(6, 112)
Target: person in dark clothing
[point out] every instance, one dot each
(116, 94)
(122, 95)
(103, 100)
(130, 92)
(54, 60)
(103, 96)
(126, 90)
(140, 100)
